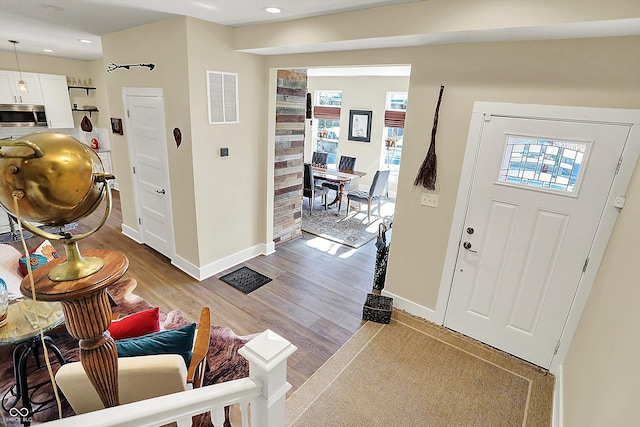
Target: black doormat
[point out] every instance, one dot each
(245, 279)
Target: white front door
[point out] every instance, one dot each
(539, 189)
(148, 152)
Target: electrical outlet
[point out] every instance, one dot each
(429, 199)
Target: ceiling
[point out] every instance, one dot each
(60, 24)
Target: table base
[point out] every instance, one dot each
(20, 390)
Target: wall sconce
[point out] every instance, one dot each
(22, 85)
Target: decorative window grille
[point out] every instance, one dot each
(543, 163)
(222, 92)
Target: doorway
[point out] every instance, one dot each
(148, 153)
(536, 206)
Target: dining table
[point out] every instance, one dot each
(337, 176)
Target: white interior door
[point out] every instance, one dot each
(539, 189)
(148, 148)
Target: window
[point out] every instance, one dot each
(542, 163)
(222, 92)
(327, 122)
(394, 116)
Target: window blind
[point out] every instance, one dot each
(394, 119)
(326, 113)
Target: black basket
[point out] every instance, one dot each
(377, 308)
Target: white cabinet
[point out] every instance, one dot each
(105, 157)
(4, 222)
(9, 88)
(57, 105)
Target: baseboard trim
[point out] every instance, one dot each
(412, 308)
(558, 415)
(131, 233)
(202, 273)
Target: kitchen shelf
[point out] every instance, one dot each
(87, 88)
(91, 110)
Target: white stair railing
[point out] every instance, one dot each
(264, 390)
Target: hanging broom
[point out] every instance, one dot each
(429, 169)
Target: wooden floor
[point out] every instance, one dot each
(314, 300)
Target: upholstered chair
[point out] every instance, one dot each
(142, 377)
(310, 189)
(319, 159)
(374, 194)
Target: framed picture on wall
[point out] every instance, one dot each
(116, 126)
(360, 125)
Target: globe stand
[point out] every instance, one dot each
(54, 179)
(80, 284)
(87, 313)
(76, 266)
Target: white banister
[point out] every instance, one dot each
(265, 390)
(267, 355)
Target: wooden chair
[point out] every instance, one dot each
(142, 377)
(375, 193)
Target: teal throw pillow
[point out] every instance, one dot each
(170, 341)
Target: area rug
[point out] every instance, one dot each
(245, 279)
(353, 230)
(223, 358)
(414, 373)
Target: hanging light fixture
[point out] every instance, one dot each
(22, 85)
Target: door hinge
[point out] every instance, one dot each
(128, 116)
(619, 164)
(134, 170)
(140, 221)
(557, 348)
(586, 263)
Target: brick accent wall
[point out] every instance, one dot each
(290, 125)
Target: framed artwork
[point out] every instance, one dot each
(360, 125)
(116, 126)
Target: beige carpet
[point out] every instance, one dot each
(414, 373)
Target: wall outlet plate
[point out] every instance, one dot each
(224, 152)
(429, 199)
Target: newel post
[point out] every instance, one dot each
(267, 355)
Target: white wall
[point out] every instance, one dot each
(359, 93)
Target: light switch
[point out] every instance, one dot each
(429, 199)
(224, 152)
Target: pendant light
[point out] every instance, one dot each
(22, 85)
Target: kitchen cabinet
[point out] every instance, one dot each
(105, 157)
(9, 88)
(57, 105)
(4, 222)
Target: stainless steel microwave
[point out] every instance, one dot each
(22, 115)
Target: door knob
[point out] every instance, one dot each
(160, 191)
(470, 230)
(467, 246)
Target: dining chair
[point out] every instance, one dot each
(375, 193)
(310, 189)
(345, 164)
(319, 159)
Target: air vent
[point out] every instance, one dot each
(222, 90)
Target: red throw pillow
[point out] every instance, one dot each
(136, 324)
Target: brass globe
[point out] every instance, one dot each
(55, 180)
(59, 186)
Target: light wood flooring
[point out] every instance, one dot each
(314, 300)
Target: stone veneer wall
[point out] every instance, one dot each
(289, 155)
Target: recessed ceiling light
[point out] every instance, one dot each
(48, 50)
(84, 41)
(272, 9)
